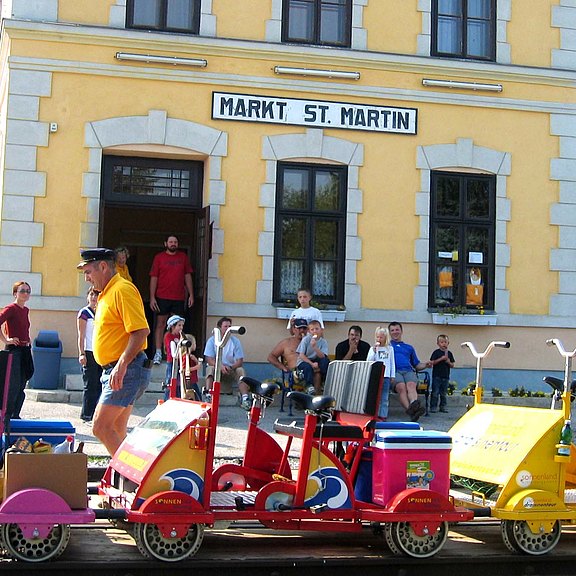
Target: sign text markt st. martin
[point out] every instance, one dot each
(317, 113)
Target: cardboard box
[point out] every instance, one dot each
(63, 474)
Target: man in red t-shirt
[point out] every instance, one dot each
(170, 286)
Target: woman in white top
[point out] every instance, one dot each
(383, 352)
(91, 371)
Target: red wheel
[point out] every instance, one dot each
(228, 477)
(275, 496)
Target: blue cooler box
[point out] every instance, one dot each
(396, 426)
(52, 431)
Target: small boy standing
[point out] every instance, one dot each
(441, 360)
(305, 311)
(313, 357)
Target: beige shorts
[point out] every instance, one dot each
(236, 374)
(227, 380)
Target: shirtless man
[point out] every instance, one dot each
(284, 355)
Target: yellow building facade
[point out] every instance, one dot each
(410, 160)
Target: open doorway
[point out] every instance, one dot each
(143, 229)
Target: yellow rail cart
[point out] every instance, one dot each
(505, 463)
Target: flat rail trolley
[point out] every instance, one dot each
(163, 483)
(506, 464)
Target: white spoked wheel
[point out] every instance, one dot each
(34, 549)
(390, 540)
(519, 538)
(402, 539)
(151, 542)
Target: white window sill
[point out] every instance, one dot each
(327, 315)
(465, 319)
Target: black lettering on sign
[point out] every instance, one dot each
(373, 117)
(386, 114)
(346, 116)
(268, 110)
(240, 109)
(403, 120)
(282, 107)
(310, 113)
(360, 119)
(254, 108)
(226, 105)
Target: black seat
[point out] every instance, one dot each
(313, 403)
(262, 389)
(557, 385)
(325, 429)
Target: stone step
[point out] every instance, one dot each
(73, 383)
(73, 396)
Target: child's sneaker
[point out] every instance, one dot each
(246, 403)
(157, 357)
(311, 390)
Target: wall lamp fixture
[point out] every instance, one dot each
(316, 72)
(176, 60)
(462, 85)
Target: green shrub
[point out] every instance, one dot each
(469, 390)
(519, 392)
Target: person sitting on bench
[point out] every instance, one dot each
(284, 355)
(313, 357)
(407, 364)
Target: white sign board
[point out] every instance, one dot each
(316, 113)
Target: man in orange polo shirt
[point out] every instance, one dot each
(119, 341)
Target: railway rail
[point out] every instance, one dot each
(473, 548)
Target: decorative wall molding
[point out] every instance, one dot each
(157, 128)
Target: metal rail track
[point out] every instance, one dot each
(247, 549)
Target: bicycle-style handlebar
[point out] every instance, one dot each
(479, 357)
(560, 347)
(221, 341)
(489, 348)
(567, 373)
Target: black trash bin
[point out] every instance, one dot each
(47, 353)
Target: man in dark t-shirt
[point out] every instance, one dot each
(354, 348)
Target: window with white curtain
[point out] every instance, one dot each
(464, 29)
(310, 232)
